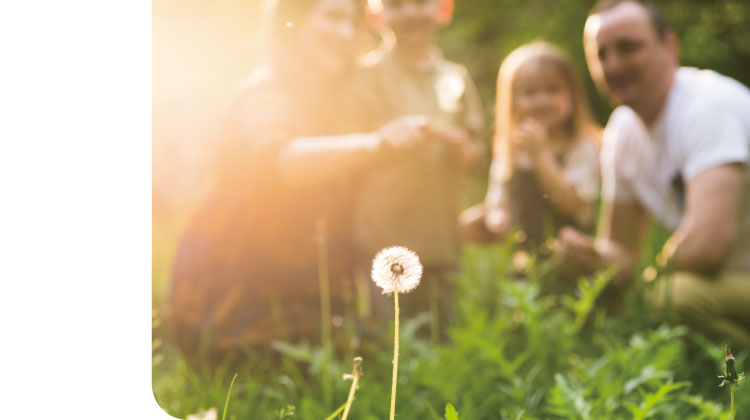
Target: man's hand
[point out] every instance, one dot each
(577, 254)
(582, 255)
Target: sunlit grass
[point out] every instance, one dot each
(514, 352)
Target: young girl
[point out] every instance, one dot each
(545, 170)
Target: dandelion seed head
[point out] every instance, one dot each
(396, 269)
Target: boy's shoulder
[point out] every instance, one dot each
(444, 64)
(383, 59)
(372, 59)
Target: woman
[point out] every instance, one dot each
(246, 268)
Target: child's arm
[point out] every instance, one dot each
(487, 222)
(315, 160)
(562, 194)
(496, 218)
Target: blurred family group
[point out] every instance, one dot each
(327, 156)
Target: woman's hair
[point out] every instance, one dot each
(281, 29)
(581, 123)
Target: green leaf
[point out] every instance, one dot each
(450, 412)
(337, 412)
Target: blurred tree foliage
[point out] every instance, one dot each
(713, 34)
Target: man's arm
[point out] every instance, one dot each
(704, 240)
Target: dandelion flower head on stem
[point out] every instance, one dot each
(396, 269)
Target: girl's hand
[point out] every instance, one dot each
(530, 137)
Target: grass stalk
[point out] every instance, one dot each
(336, 413)
(325, 309)
(229, 393)
(350, 399)
(434, 312)
(356, 373)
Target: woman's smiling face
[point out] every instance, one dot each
(329, 35)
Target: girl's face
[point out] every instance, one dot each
(329, 35)
(540, 92)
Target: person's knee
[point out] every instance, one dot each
(689, 299)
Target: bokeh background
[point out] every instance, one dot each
(203, 48)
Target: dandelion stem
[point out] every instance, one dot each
(395, 357)
(396, 269)
(731, 393)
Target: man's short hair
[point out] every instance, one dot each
(656, 16)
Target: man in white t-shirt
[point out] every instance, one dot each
(676, 150)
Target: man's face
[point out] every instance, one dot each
(627, 59)
(414, 22)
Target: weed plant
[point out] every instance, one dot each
(514, 351)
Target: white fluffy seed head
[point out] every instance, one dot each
(396, 269)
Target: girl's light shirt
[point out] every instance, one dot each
(580, 168)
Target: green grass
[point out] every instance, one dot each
(514, 352)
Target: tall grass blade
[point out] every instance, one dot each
(226, 402)
(337, 412)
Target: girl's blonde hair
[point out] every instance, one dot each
(581, 123)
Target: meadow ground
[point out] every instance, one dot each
(513, 352)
